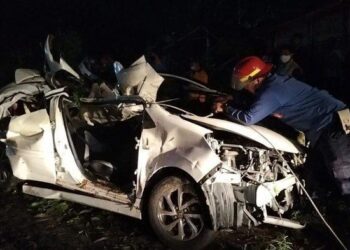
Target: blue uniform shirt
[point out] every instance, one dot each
(299, 105)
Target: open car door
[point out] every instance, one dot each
(30, 147)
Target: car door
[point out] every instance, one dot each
(30, 147)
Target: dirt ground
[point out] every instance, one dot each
(27, 222)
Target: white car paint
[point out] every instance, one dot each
(68, 166)
(13, 92)
(30, 147)
(56, 66)
(174, 142)
(141, 79)
(109, 205)
(265, 136)
(27, 76)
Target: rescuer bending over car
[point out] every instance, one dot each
(324, 119)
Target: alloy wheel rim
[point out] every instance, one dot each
(179, 213)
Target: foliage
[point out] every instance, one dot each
(281, 242)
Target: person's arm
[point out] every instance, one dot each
(264, 106)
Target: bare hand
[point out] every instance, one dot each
(220, 102)
(218, 107)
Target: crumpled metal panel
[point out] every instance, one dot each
(224, 211)
(53, 65)
(12, 93)
(174, 142)
(110, 205)
(30, 147)
(28, 75)
(141, 79)
(68, 163)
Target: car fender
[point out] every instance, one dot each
(173, 142)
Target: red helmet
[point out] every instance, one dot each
(248, 69)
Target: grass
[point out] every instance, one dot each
(281, 242)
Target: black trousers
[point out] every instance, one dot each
(332, 153)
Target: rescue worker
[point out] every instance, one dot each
(198, 73)
(287, 65)
(305, 108)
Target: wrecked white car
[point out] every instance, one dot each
(188, 175)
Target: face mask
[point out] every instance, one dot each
(285, 58)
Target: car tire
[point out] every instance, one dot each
(176, 213)
(6, 176)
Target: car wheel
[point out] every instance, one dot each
(5, 176)
(176, 213)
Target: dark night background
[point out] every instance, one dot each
(217, 32)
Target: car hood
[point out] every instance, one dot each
(262, 135)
